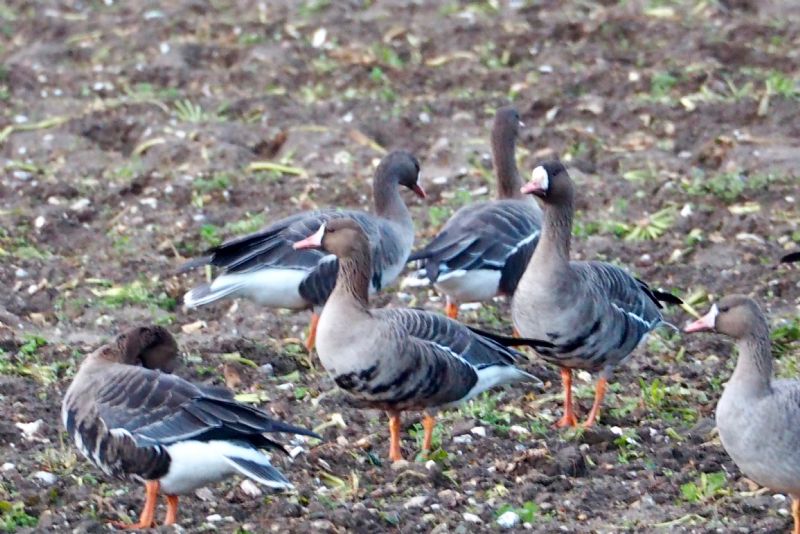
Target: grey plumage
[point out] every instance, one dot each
(399, 359)
(124, 410)
(264, 267)
(484, 247)
(758, 416)
(594, 313)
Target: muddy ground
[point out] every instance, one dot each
(128, 134)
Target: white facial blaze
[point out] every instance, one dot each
(712, 316)
(540, 178)
(317, 237)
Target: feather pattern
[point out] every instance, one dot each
(499, 235)
(125, 417)
(264, 267)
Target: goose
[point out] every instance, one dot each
(399, 359)
(594, 313)
(758, 416)
(482, 251)
(264, 267)
(132, 418)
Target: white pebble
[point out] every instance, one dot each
(48, 479)
(466, 438)
(517, 430)
(250, 488)
(8, 466)
(416, 502)
(479, 431)
(80, 204)
(214, 518)
(472, 518)
(39, 222)
(509, 519)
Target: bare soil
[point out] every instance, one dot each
(127, 134)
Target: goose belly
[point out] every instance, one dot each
(194, 464)
(273, 288)
(469, 285)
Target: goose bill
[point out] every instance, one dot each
(312, 241)
(706, 322)
(538, 184)
(419, 191)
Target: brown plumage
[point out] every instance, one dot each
(136, 421)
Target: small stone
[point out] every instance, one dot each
(296, 451)
(450, 498)
(509, 519)
(267, 369)
(479, 431)
(416, 502)
(214, 518)
(8, 466)
(471, 518)
(429, 518)
(250, 488)
(21, 273)
(30, 430)
(400, 464)
(462, 439)
(48, 479)
(286, 387)
(204, 494)
(517, 430)
(80, 204)
(39, 221)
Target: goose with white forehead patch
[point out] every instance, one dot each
(399, 359)
(482, 251)
(133, 419)
(264, 267)
(758, 416)
(594, 313)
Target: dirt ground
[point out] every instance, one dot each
(134, 135)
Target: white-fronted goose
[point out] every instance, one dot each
(483, 249)
(594, 313)
(758, 417)
(135, 421)
(399, 359)
(265, 268)
(791, 257)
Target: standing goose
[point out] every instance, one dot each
(135, 421)
(265, 268)
(483, 249)
(758, 417)
(594, 313)
(399, 359)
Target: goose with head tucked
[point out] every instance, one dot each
(265, 268)
(482, 251)
(399, 359)
(594, 313)
(132, 418)
(758, 416)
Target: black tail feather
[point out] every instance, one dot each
(666, 298)
(511, 341)
(194, 263)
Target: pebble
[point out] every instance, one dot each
(204, 494)
(21, 273)
(266, 369)
(250, 488)
(48, 479)
(517, 430)
(416, 502)
(80, 204)
(8, 466)
(462, 439)
(400, 464)
(214, 518)
(471, 518)
(479, 431)
(509, 519)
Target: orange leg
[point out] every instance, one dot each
(394, 436)
(428, 422)
(312, 332)
(599, 393)
(515, 332)
(451, 309)
(172, 510)
(146, 520)
(796, 513)
(569, 418)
